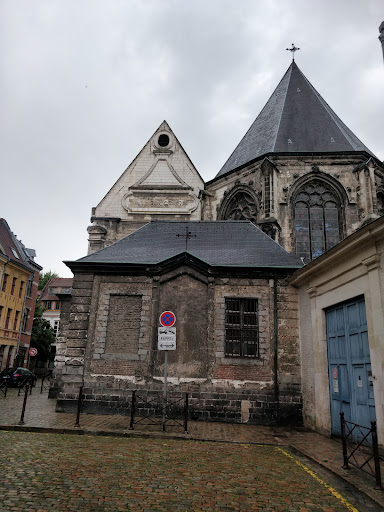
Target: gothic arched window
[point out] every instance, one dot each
(317, 219)
(241, 206)
(380, 203)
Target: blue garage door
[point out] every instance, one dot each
(350, 374)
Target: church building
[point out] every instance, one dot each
(223, 256)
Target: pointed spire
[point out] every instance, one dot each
(295, 119)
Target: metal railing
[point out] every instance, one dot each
(148, 411)
(360, 448)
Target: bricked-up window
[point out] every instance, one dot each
(123, 328)
(241, 328)
(5, 279)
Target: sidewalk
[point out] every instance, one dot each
(40, 416)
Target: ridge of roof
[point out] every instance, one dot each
(223, 243)
(296, 118)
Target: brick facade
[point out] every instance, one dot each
(110, 358)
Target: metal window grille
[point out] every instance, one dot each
(241, 328)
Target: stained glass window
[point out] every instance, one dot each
(317, 220)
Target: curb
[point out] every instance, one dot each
(357, 488)
(124, 434)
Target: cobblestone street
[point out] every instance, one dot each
(47, 472)
(215, 467)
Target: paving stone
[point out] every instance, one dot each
(110, 467)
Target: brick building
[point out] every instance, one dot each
(297, 184)
(19, 281)
(223, 275)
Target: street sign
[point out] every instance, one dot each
(167, 319)
(166, 345)
(32, 351)
(166, 338)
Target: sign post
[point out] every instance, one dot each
(166, 341)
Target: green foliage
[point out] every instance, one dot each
(45, 277)
(42, 334)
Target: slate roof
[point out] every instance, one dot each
(295, 119)
(55, 282)
(14, 249)
(217, 243)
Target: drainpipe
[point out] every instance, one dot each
(275, 354)
(22, 315)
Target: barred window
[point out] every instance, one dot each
(241, 328)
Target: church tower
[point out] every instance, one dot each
(299, 173)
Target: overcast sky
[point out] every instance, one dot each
(85, 83)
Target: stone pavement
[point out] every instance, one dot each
(40, 416)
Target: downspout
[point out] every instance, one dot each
(22, 314)
(275, 353)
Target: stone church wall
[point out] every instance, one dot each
(109, 345)
(272, 184)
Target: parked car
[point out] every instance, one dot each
(17, 376)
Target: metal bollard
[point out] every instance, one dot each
(186, 414)
(133, 405)
(376, 456)
(344, 441)
(42, 383)
(21, 422)
(77, 424)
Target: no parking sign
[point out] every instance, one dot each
(167, 318)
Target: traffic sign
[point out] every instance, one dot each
(166, 339)
(166, 345)
(167, 319)
(32, 351)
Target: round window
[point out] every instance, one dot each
(163, 140)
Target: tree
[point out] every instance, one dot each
(45, 277)
(42, 334)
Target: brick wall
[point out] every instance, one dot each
(110, 333)
(123, 327)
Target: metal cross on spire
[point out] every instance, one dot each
(293, 50)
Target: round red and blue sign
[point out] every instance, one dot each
(167, 319)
